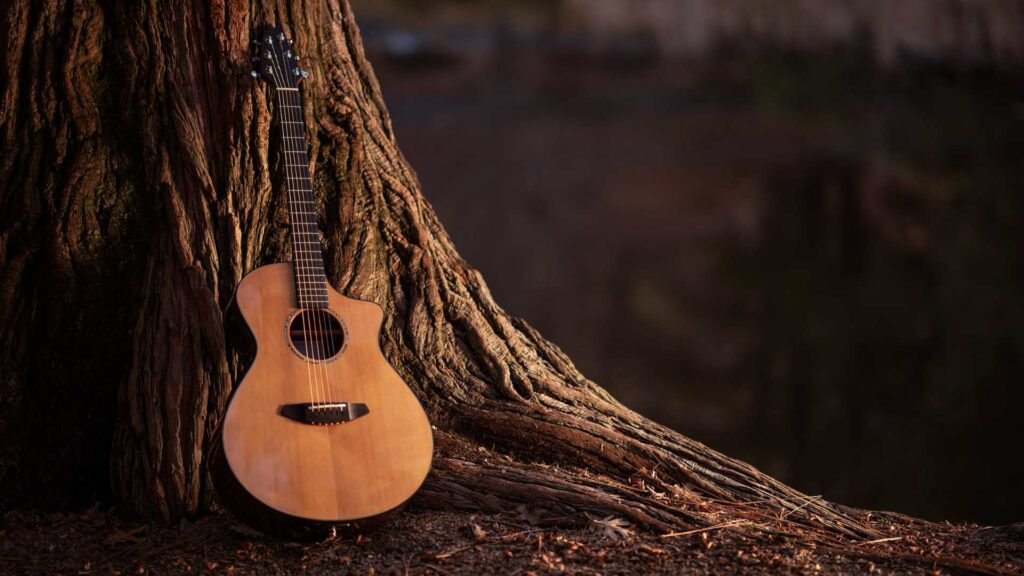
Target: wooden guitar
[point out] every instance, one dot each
(321, 431)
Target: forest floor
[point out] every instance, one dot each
(432, 542)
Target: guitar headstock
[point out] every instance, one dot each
(274, 60)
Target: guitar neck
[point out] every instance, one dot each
(307, 253)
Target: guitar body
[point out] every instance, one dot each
(359, 452)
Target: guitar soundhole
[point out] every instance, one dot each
(316, 334)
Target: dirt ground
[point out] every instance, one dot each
(433, 542)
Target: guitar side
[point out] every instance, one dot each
(284, 475)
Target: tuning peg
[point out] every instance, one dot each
(305, 74)
(281, 36)
(254, 74)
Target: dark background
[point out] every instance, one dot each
(789, 230)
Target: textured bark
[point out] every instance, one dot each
(139, 183)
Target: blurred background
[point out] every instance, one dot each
(790, 229)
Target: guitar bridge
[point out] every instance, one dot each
(324, 414)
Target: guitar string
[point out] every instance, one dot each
(319, 318)
(305, 255)
(325, 316)
(291, 194)
(288, 187)
(308, 228)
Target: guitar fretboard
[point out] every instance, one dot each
(307, 253)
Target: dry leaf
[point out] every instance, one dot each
(244, 530)
(125, 536)
(529, 513)
(478, 532)
(652, 549)
(611, 527)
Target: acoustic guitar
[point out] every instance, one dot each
(320, 432)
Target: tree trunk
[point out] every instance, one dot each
(138, 188)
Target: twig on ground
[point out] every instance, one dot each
(491, 540)
(730, 524)
(810, 499)
(879, 541)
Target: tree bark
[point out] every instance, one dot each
(139, 184)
